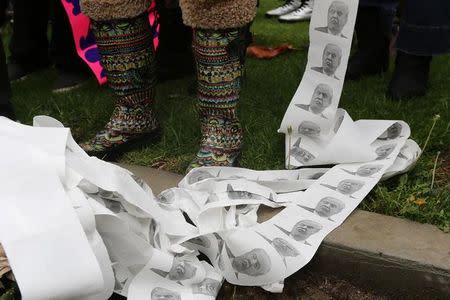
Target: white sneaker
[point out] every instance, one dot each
(288, 7)
(302, 13)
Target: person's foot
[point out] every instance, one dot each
(410, 78)
(67, 81)
(288, 7)
(127, 129)
(109, 144)
(220, 145)
(18, 71)
(303, 13)
(367, 63)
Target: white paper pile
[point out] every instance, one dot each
(75, 227)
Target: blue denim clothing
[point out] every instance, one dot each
(424, 25)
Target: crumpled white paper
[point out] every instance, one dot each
(77, 227)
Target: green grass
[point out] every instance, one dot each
(267, 90)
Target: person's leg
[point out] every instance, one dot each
(424, 31)
(124, 40)
(219, 75)
(72, 71)
(29, 44)
(6, 109)
(174, 55)
(373, 30)
(219, 43)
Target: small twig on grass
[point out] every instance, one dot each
(435, 119)
(434, 170)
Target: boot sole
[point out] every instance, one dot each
(117, 151)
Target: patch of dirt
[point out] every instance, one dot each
(304, 286)
(443, 170)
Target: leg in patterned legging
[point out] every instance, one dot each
(220, 58)
(127, 55)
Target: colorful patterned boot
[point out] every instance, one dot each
(127, 55)
(220, 58)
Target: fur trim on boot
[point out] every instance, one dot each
(103, 10)
(218, 14)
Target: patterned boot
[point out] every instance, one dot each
(220, 58)
(127, 55)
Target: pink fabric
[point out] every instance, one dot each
(85, 40)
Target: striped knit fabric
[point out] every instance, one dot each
(127, 56)
(219, 55)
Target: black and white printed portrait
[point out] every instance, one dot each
(199, 175)
(320, 100)
(220, 246)
(300, 154)
(392, 132)
(383, 152)
(114, 206)
(209, 287)
(283, 247)
(329, 206)
(180, 270)
(201, 241)
(302, 230)
(139, 181)
(401, 153)
(160, 293)
(244, 209)
(336, 20)
(365, 170)
(309, 128)
(346, 186)
(242, 195)
(153, 234)
(331, 59)
(166, 199)
(338, 123)
(108, 195)
(212, 198)
(253, 263)
(316, 175)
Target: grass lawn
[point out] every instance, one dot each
(268, 88)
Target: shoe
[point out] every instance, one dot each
(410, 77)
(372, 56)
(127, 56)
(288, 7)
(220, 56)
(67, 81)
(17, 72)
(303, 13)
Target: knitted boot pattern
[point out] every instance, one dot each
(220, 56)
(127, 56)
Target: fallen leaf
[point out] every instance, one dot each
(420, 201)
(268, 52)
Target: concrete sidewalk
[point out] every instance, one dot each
(401, 258)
